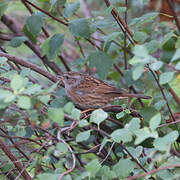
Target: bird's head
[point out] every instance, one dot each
(71, 79)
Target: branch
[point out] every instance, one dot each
(121, 23)
(162, 92)
(153, 171)
(174, 14)
(15, 161)
(30, 65)
(47, 13)
(12, 25)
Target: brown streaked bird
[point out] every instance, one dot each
(88, 92)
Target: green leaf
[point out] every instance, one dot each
(68, 107)
(166, 77)
(122, 135)
(6, 96)
(45, 47)
(121, 9)
(166, 174)
(17, 82)
(29, 34)
(167, 37)
(120, 115)
(156, 65)
(93, 167)
(177, 45)
(3, 7)
(48, 176)
(140, 51)
(163, 143)
(109, 9)
(134, 124)
(146, 18)
(52, 46)
(123, 168)
(106, 173)
(147, 113)
(56, 3)
(176, 55)
(76, 113)
(34, 24)
(55, 44)
(24, 102)
(137, 71)
(56, 115)
(152, 46)
(155, 121)
(178, 66)
(109, 38)
(97, 59)
(17, 41)
(70, 9)
(3, 60)
(44, 99)
(136, 152)
(98, 116)
(33, 89)
(83, 136)
(80, 28)
(61, 147)
(140, 36)
(83, 123)
(143, 134)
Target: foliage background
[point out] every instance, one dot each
(134, 45)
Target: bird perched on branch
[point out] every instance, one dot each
(88, 92)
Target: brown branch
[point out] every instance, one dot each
(30, 65)
(167, 124)
(162, 92)
(121, 23)
(175, 96)
(31, 12)
(12, 141)
(72, 153)
(17, 30)
(153, 171)
(125, 38)
(47, 13)
(47, 35)
(174, 14)
(15, 161)
(5, 79)
(64, 63)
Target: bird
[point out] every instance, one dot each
(88, 92)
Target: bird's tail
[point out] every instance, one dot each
(136, 95)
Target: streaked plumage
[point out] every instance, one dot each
(89, 92)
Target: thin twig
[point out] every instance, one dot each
(125, 37)
(123, 147)
(153, 171)
(30, 65)
(108, 153)
(122, 24)
(174, 14)
(15, 161)
(47, 13)
(162, 92)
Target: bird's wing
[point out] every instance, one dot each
(93, 85)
